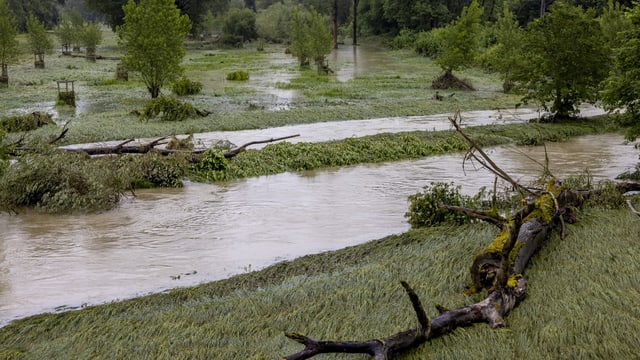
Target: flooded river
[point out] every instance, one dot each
(177, 237)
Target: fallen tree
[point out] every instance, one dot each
(497, 269)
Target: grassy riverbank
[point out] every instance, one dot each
(582, 302)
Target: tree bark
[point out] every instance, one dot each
(335, 24)
(355, 22)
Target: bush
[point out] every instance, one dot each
(241, 24)
(403, 40)
(185, 86)
(428, 43)
(26, 122)
(424, 210)
(62, 182)
(168, 108)
(238, 76)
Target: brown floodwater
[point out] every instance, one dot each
(168, 238)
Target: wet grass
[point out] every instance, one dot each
(283, 157)
(582, 303)
(395, 83)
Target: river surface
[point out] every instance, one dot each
(168, 238)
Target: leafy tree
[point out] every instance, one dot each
(239, 26)
(91, 37)
(153, 41)
(310, 37)
(38, 40)
(622, 89)
(44, 10)
(613, 22)
(461, 40)
(274, 23)
(8, 42)
(565, 59)
(66, 32)
(505, 55)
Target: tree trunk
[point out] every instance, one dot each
(154, 90)
(335, 24)
(4, 77)
(355, 22)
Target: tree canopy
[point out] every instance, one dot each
(622, 90)
(39, 41)
(152, 38)
(564, 59)
(461, 39)
(310, 36)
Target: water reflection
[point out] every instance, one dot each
(205, 232)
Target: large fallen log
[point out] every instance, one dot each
(497, 269)
(125, 147)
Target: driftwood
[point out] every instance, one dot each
(124, 148)
(498, 269)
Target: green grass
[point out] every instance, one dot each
(582, 302)
(396, 83)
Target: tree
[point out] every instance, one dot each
(8, 42)
(505, 55)
(153, 41)
(565, 59)
(613, 22)
(91, 37)
(67, 34)
(239, 26)
(461, 40)
(38, 40)
(310, 37)
(45, 10)
(622, 88)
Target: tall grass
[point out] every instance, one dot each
(582, 303)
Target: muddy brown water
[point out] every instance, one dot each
(168, 238)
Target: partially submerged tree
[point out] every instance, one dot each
(8, 42)
(239, 27)
(622, 89)
(310, 37)
(39, 41)
(91, 37)
(460, 48)
(152, 38)
(565, 60)
(66, 33)
(505, 55)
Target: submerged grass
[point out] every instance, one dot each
(283, 157)
(582, 302)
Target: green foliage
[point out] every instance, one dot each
(212, 165)
(39, 41)
(605, 196)
(152, 38)
(239, 75)
(622, 88)
(26, 122)
(61, 182)
(564, 59)
(274, 23)
(90, 38)
(405, 39)
(8, 43)
(57, 182)
(461, 39)
(424, 208)
(240, 24)
(67, 34)
(184, 86)
(506, 54)
(429, 43)
(168, 109)
(310, 37)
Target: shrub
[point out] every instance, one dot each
(185, 86)
(428, 43)
(238, 76)
(424, 210)
(403, 40)
(168, 108)
(26, 122)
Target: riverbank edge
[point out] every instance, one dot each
(167, 325)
